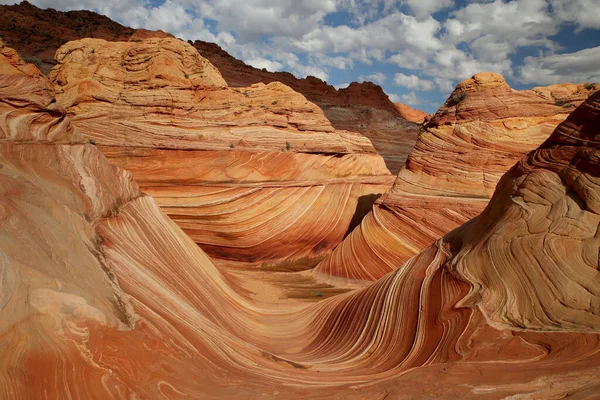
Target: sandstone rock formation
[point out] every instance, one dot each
(102, 296)
(254, 175)
(411, 114)
(363, 107)
(482, 129)
(36, 34)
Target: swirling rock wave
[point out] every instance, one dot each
(103, 296)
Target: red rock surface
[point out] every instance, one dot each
(450, 175)
(104, 297)
(255, 175)
(411, 114)
(364, 107)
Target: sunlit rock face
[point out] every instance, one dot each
(360, 107)
(477, 135)
(254, 175)
(103, 296)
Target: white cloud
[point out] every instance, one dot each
(412, 82)
(341, 86)
(393, 32)
(410, 99)
(252, 19)
(584, 13)
(337, 62)
(494, 30)
(394, 98)
(376, 77)
(580, 66)
(261, 63)
(423, 8)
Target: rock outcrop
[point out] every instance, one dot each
(102, 296)
(254, 175)
(36, 34)
(482, 129)
(363, 107)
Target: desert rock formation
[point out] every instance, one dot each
(483, 128)
(253, 175)
(102, 296)
(36, 34)
(362, 107)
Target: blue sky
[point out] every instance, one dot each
(417, 50)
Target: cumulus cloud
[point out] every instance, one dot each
(376, 77)
(412, 82)
(584, 13)
(410, 99)
(261, 63)
(252, 19)
(580, 66)
(394, 98)
(494, 30)
(423, 8)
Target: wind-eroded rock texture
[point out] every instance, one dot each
(482, 129)
(102, 296)
(362, 107)
(254, 175)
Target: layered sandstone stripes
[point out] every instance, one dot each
(254, 175)
(363, 107)
(104, 297)
(482, 129)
